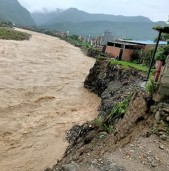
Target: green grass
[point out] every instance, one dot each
(127, 65)
(11, 34)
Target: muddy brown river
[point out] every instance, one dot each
(41, 97)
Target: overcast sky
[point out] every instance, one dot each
(156, 10)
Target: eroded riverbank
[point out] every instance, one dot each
(42, 96)
(133, 131)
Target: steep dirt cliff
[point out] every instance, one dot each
(112, 83)
(127, 143)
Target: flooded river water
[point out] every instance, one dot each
(41, 97)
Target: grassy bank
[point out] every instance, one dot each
(11, 34)
(127, 65)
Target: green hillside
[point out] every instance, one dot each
(74, 15)
(82, 23)
(11, 10)
(129, 30)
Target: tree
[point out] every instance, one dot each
(162, 53)
(165, 37)
(165, 33)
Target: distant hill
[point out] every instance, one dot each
(129, 30)
(11, 10)
(83, 23)
(74, 15)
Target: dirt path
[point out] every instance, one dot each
(42, 96)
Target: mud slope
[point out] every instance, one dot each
(138, 141)
(42, 96)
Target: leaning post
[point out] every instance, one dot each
(153, 56)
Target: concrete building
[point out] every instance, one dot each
(125, 50)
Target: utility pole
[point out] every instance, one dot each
(153, 56)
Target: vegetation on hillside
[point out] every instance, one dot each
(118, 111)
(128, 30)
(82, 23)
(74, 40)
(11, 10)
(6, 24)
(162, 29)
(73, 15)
(164, 37)
(11, 34)
(151, 86)
(127, 65)
(162, 53)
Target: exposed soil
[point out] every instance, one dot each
(112, 83)
(42, 96)
(133, 145)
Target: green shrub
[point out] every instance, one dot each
(118, 111)
(74, 37)
(148, 56)
(138, 56)
(120, 108)
(99, 122)
(151, 86)
(11, 34)
(162, 53)
(93, 52)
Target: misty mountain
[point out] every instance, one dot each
(74, 15)
(11, 10)
(83, 23)
(129, 30)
